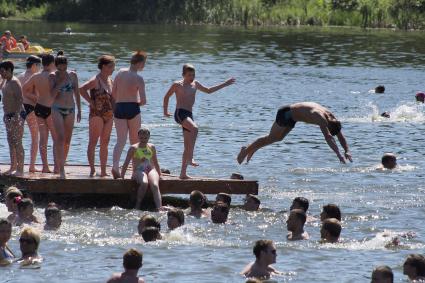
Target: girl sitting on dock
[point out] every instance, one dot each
(146, 170)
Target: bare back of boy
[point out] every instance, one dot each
(129, 87)
(123, 278)
(39, 85)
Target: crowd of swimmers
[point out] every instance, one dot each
(149, 228)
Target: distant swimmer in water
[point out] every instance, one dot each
(68, 30)
(185, 91)
(251, 203)
(380, 89)
(29, 241)
(330, 211)
(420, 97)
(25, 212)
(196, 202)
(53, 217)
(6, 255)
(386, 114)
(132, 262)
(219, 213)
(146, 170)
(288, 116)
(330, 230)
(414, 267)
(265, 255)
(382, 274)
(175, 218)
(295, 225)
(389, 161)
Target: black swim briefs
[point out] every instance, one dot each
(42, 111)
(126, 110)
(284, 117)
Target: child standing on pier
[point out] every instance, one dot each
(146, 170)
(185, 91)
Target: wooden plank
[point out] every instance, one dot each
(79, 182)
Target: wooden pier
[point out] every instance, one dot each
(79, 184)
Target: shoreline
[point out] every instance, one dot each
(259, 26)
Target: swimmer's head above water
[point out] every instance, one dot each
(296, 220)
(147, 220)
(251, 203)
(414, 267)
(220, 213)
(420, 97)
(175, 218)
(265, 251)
(223, 197)
(330, 230)
(300, 203)
(389, 161)
(382, 274)
(380, 89)
(330, 211)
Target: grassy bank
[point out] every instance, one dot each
(404, 14)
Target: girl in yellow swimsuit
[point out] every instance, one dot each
(146, 170)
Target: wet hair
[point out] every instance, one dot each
(32, 234)
(196, 199)
(260, 246)
(31, 60)
(334, 127)
(7, 65)
(144, 130)
(188, 68)
(299, 214)
(51, 210)
(47, 59)
(61, 60)
(332, 211)
(105, 60)
(223, 197)
(4, 221)
(223, 208)
(388, 157)
(132, 259)
(150, 221)
(380, 89)
(332, 226)
(254, 198)
(385, 271)
(138, 56)
(418, 262)
(177, 213)
(60, 53)
(13, 192)
(302, 201)
(150, 234)
(25, 203)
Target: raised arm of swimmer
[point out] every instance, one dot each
(167, 96)
(214, 88)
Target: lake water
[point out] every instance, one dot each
(273, 67)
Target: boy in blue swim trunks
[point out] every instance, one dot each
(185, 91)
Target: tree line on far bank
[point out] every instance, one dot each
(404, 14)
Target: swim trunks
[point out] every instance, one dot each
(42, 111)
(284, 117)
(181, 114)
(126, 110)
(28, 109)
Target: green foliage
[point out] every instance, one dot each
(404, 14)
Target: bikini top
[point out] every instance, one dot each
(143, 153)
(68, 87)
